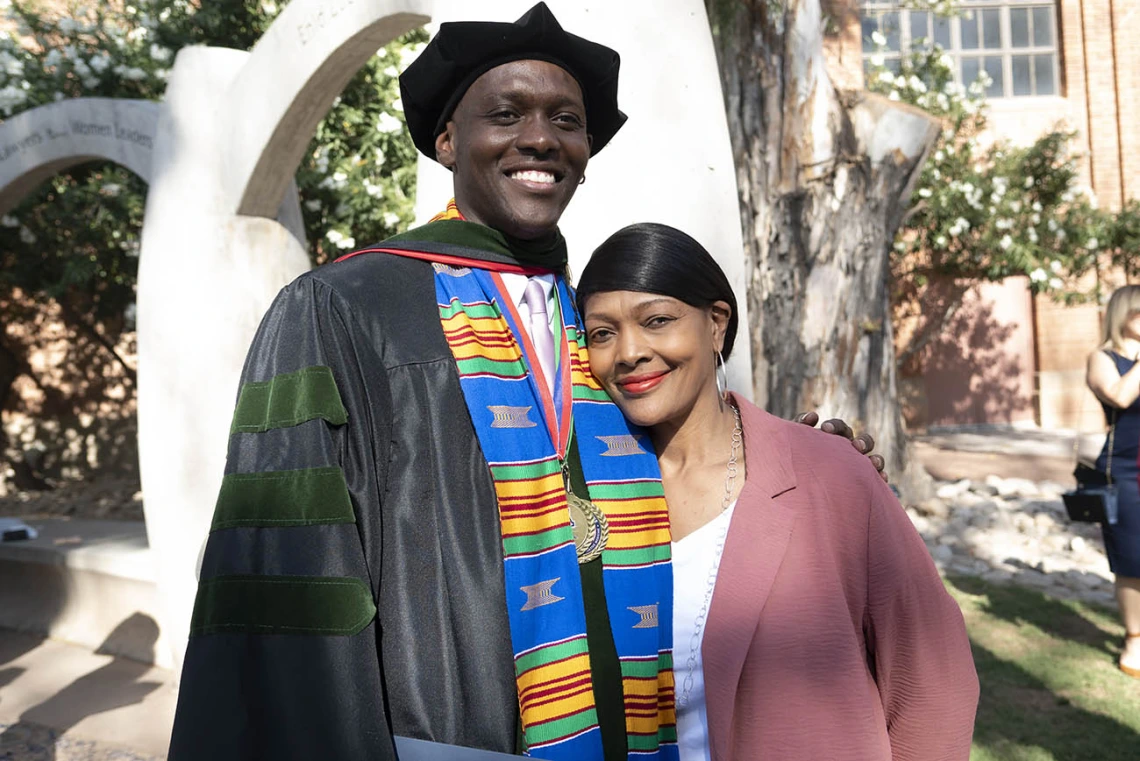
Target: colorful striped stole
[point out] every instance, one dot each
(451, 211)
(524, 433)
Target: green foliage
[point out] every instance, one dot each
(985, 209)
(76, 239)
(70, 250)
(358, 181)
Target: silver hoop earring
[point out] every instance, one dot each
(582, 180)
(721, 380)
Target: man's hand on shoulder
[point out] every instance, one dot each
(863, 443)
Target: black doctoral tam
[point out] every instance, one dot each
(463, 51)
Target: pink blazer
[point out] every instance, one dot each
(830, 635)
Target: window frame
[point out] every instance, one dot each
(1005, 52)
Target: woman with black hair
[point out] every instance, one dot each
(809, 621)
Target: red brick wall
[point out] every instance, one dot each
(1072, 51)
(1101, 62)
(1126, 22)
(1065, 337)
(1102, 73)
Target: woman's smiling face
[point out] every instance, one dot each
(653, 354)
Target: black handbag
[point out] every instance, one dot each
(1095, 499)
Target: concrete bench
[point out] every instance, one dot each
(88, 582)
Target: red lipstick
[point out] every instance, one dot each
(640, 384)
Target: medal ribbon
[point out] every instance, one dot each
(556, 410)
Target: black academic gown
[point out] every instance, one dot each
(436, 661)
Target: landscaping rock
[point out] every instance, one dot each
(921, 524)
(952, 489)
(1020, 487)
(1010, 530)
(1058, 543)
(997, 576)
(941, 553)
(1024, 523)
(934, 508)
(968, 499)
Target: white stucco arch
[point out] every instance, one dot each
(47, 140)
(222, 235)
(309, 54)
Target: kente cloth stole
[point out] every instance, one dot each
(451, 212)
(524, 433)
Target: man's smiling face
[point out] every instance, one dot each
(518, 147)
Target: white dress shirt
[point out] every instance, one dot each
(516, 288)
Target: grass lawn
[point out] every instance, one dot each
(1051, 690)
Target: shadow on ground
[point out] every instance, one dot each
(1018, 712)
(1050, 615)
(10, 650)
(39, 732)
(1050, 688)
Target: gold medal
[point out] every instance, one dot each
(589, 525)
(587, 522)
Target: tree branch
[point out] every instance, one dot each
(92, 332)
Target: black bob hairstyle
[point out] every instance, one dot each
(654, 258)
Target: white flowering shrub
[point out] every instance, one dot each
(356, 183)
(74, 242)
(987, 210)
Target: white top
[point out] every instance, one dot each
(696, 560)
(516, 287)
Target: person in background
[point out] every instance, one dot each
(809, 621)
(1114, 376)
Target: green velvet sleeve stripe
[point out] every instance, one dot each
(319, 605)
(283, 498)
(288, 400)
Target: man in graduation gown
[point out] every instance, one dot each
(433, 523)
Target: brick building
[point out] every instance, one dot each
(1015, 358)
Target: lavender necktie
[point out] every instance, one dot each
(535, 299)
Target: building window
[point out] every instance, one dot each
(1015, 43)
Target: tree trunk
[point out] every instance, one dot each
(824, 180)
